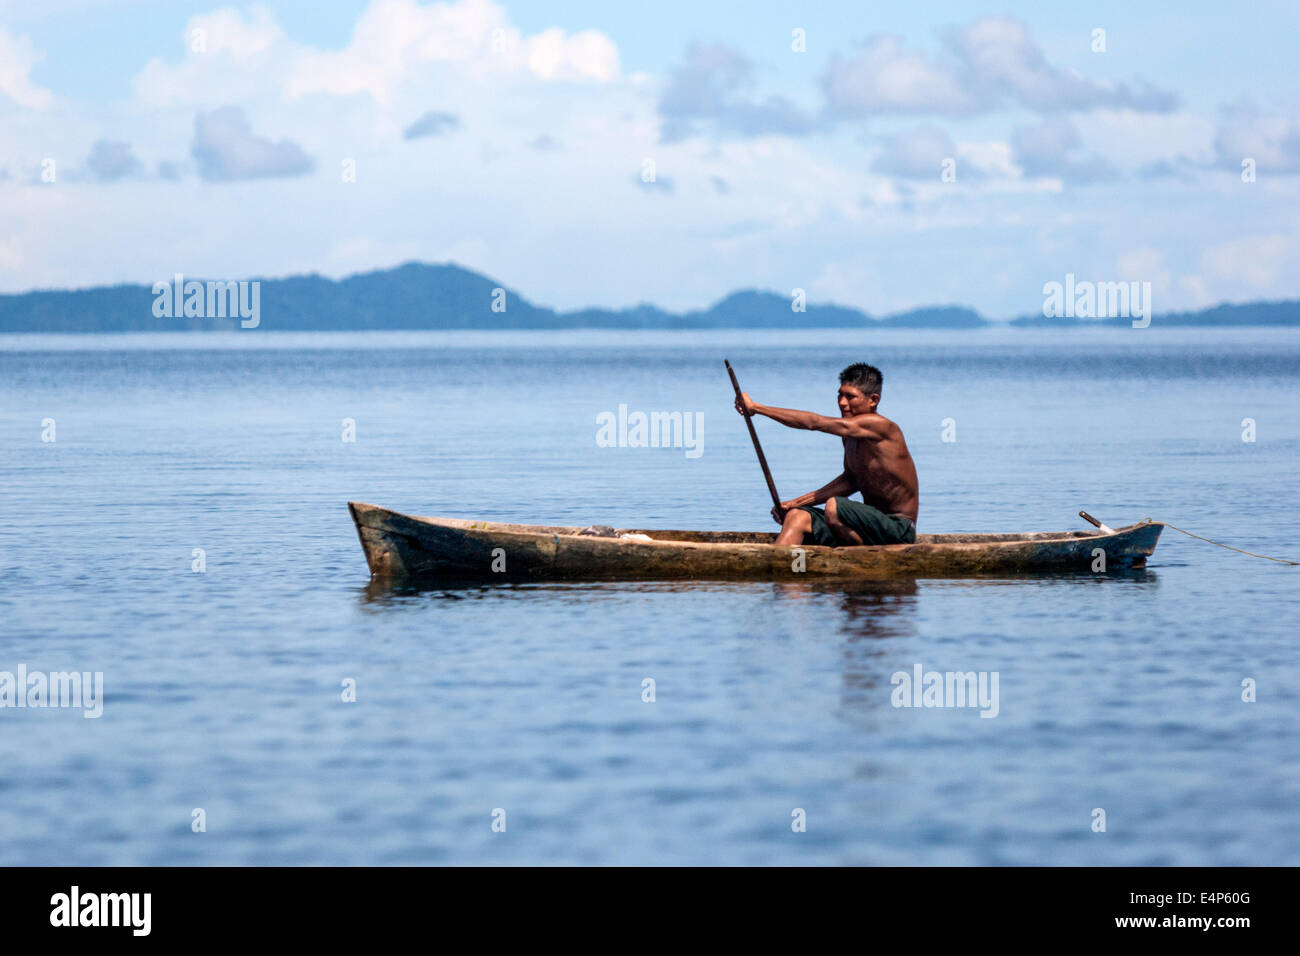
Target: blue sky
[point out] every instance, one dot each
(513, 138)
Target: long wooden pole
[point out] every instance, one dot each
(767, 472)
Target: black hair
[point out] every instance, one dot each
(863, 376)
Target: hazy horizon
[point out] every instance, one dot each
(593, 157)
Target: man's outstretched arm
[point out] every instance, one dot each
(859, 426)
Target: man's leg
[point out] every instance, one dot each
(797, 523)
(840, 529)
(863, 524)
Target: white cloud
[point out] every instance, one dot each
(991, 159)
(1054, 148)
(588, 55)
(882, 77)
(998, 58)
(986, 64)
(395, 45)
(395, 41)
(714, 84)
(226, 149)
(111, 160)
(919, 153)
(1272, 140)
(228, 56)
(432, 123)
(227, 31)
(17, 57)
(1134, 139)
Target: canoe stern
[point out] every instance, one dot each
(397, 545)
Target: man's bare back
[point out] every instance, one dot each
(883, 470)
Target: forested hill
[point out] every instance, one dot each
(423, 296)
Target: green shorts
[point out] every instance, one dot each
(872, 525)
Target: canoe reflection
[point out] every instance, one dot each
(871, 607)
(874, 616)
(868, 609)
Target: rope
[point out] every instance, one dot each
(1225, 546)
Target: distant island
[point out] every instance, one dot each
(424, 296)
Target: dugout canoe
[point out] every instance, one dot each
(405, 546)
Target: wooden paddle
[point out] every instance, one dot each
(767, 473)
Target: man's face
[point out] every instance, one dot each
(853, 402)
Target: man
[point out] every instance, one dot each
(876, 463)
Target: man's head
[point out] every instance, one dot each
(859, 389)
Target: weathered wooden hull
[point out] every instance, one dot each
(398, 546)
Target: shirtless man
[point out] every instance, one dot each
(876, 463)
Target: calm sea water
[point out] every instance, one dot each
(223, 688)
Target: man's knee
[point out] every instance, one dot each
(832, 512)
(838, 528)
(797, 518)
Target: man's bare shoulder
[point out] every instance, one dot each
(877, 425)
